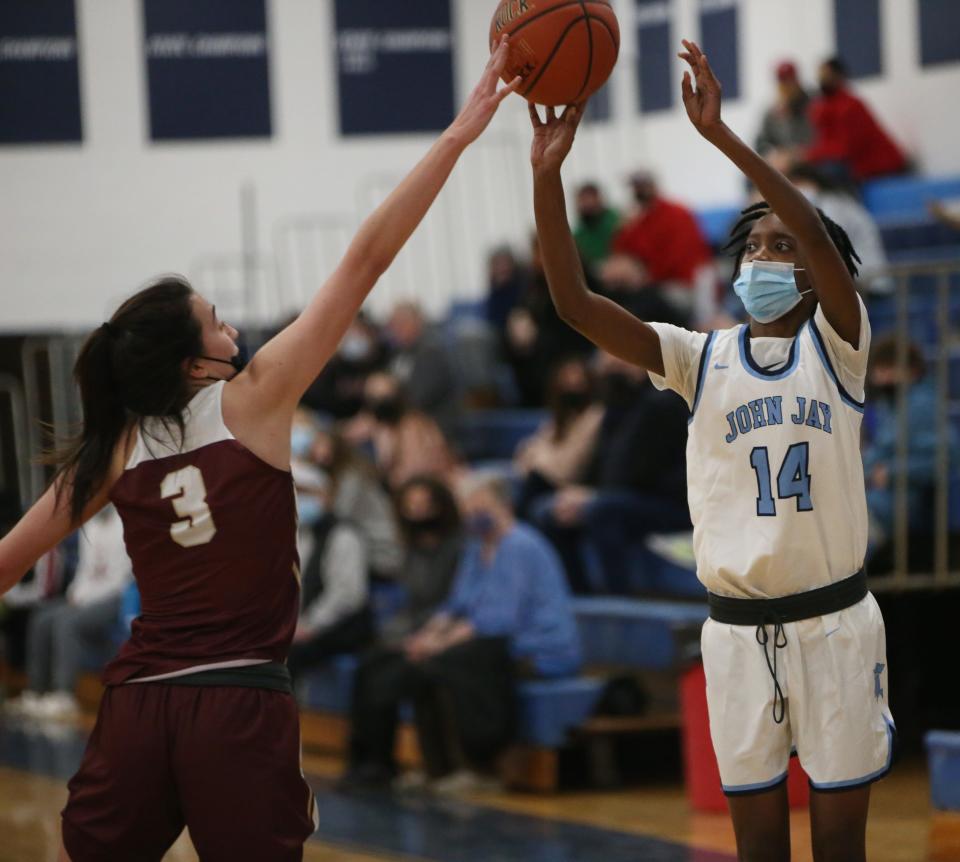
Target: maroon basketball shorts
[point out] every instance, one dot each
(222, 761)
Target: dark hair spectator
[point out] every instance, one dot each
(404, 442)
(557, 454)
(849, 142)
(433, 541)
(506, 282)
(597, 225)
(634, 485)
(663, 235)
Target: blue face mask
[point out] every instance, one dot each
(768, 289)
(310, 509)
(301, 439)
(481, 524)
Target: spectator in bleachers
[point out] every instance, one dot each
(849, 142)
(536, 336)
(509, 613)
(880, 462)
(433, 541)
(424, 367)
(335, 613)
(338, 391)
(624, 280)
(506, 283)
(786, 124)
(404, 442)
(597, 225)
(358, 498)
(557, 454)
(61, 631)
(635, 483)
(840, 205)
(664, 236)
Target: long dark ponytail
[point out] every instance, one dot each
(128, 370)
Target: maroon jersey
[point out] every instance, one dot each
(211, 530)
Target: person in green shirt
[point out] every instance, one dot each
(597, 224)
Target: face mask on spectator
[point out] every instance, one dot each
(768, 289)
(310, 509)
(574, 399)
(591, 218)
(356, 348)
(301, 439)
(481, 525)
(386, 410)
(419, 526)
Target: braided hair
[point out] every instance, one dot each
(741, 231)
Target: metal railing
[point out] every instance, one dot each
(925, 297)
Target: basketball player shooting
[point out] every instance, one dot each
(794, 650)
(198, 726)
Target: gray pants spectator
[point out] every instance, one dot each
(58, 636)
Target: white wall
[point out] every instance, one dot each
(81, 227)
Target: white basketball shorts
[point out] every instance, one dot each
(833, 674)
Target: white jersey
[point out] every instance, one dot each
(774, 472)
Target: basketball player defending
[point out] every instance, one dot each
(198, 726)
(794, 648)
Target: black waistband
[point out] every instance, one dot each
(789, 609)
(271, 675)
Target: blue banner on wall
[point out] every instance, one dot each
(394, 66)
(39, 75)
(858, 39)
(600, 107)
(939, 31)
(720, 40)
(207, 69)
(655, 55)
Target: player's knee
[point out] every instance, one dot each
(763, 843)
(837, 844)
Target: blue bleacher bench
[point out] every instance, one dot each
(943, 754)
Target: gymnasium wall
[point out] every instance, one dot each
(83, 225)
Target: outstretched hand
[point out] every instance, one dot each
(476, 114)
(553, 139)
(702, 104)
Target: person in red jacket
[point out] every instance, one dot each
(663, 235)
(847, 134)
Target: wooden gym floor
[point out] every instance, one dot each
(642, 824)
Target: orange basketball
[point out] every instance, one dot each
(563, 49)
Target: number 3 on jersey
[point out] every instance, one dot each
(793, 480)
(189, 497)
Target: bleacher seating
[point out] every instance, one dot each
(943, 754)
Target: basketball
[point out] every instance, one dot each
(564, 50)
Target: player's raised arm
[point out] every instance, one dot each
(604, 322)
(830, 277)
(283, 369)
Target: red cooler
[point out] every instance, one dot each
(700, 764)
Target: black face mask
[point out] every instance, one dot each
(574, 399)
(238, 363)
(386, 410)
(886, 392)
(419, 526)
(591, 218)
(828, 88)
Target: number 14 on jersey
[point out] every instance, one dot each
(793, 479)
